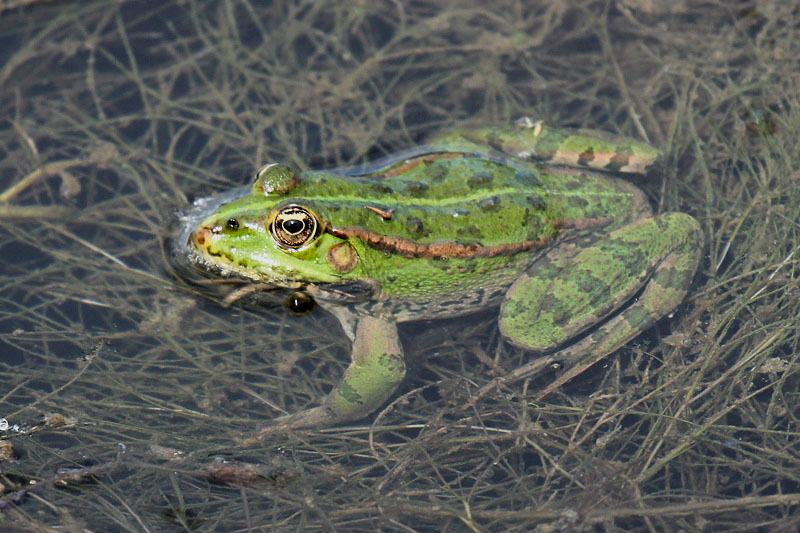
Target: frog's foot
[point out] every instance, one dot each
(559, 298)
(376, 368)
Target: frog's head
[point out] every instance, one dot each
(270, 236)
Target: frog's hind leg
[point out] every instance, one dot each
(537, 141)
(556, 300)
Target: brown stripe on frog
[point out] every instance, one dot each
(434, 250)
(411, 163)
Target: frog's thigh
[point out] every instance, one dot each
(376, 368)
(557, 300)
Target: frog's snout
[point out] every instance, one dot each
(200, 238)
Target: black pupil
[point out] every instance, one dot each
(293, 226)
(232, 223)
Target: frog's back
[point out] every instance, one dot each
(468, 197)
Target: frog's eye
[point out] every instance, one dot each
(294, 226)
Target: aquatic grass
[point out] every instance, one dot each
(116, 115)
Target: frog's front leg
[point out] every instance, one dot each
(376, 369)
(561, 296)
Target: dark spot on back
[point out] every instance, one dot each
(479, 181)
(436, 173)
(415, 225)
(535, 203)
(528, 179)
(586, 157)
(382, 188)
(416, 188)
(470, 231)
(618, 160)
(580, 202)
(490, 204)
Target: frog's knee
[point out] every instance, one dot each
(525, 323)
(681, 228)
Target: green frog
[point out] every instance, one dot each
(531, 219)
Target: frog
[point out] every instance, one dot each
(542, 223)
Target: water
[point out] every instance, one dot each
(130, 111)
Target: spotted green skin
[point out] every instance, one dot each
(540, 225)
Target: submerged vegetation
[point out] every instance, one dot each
(124, 393)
